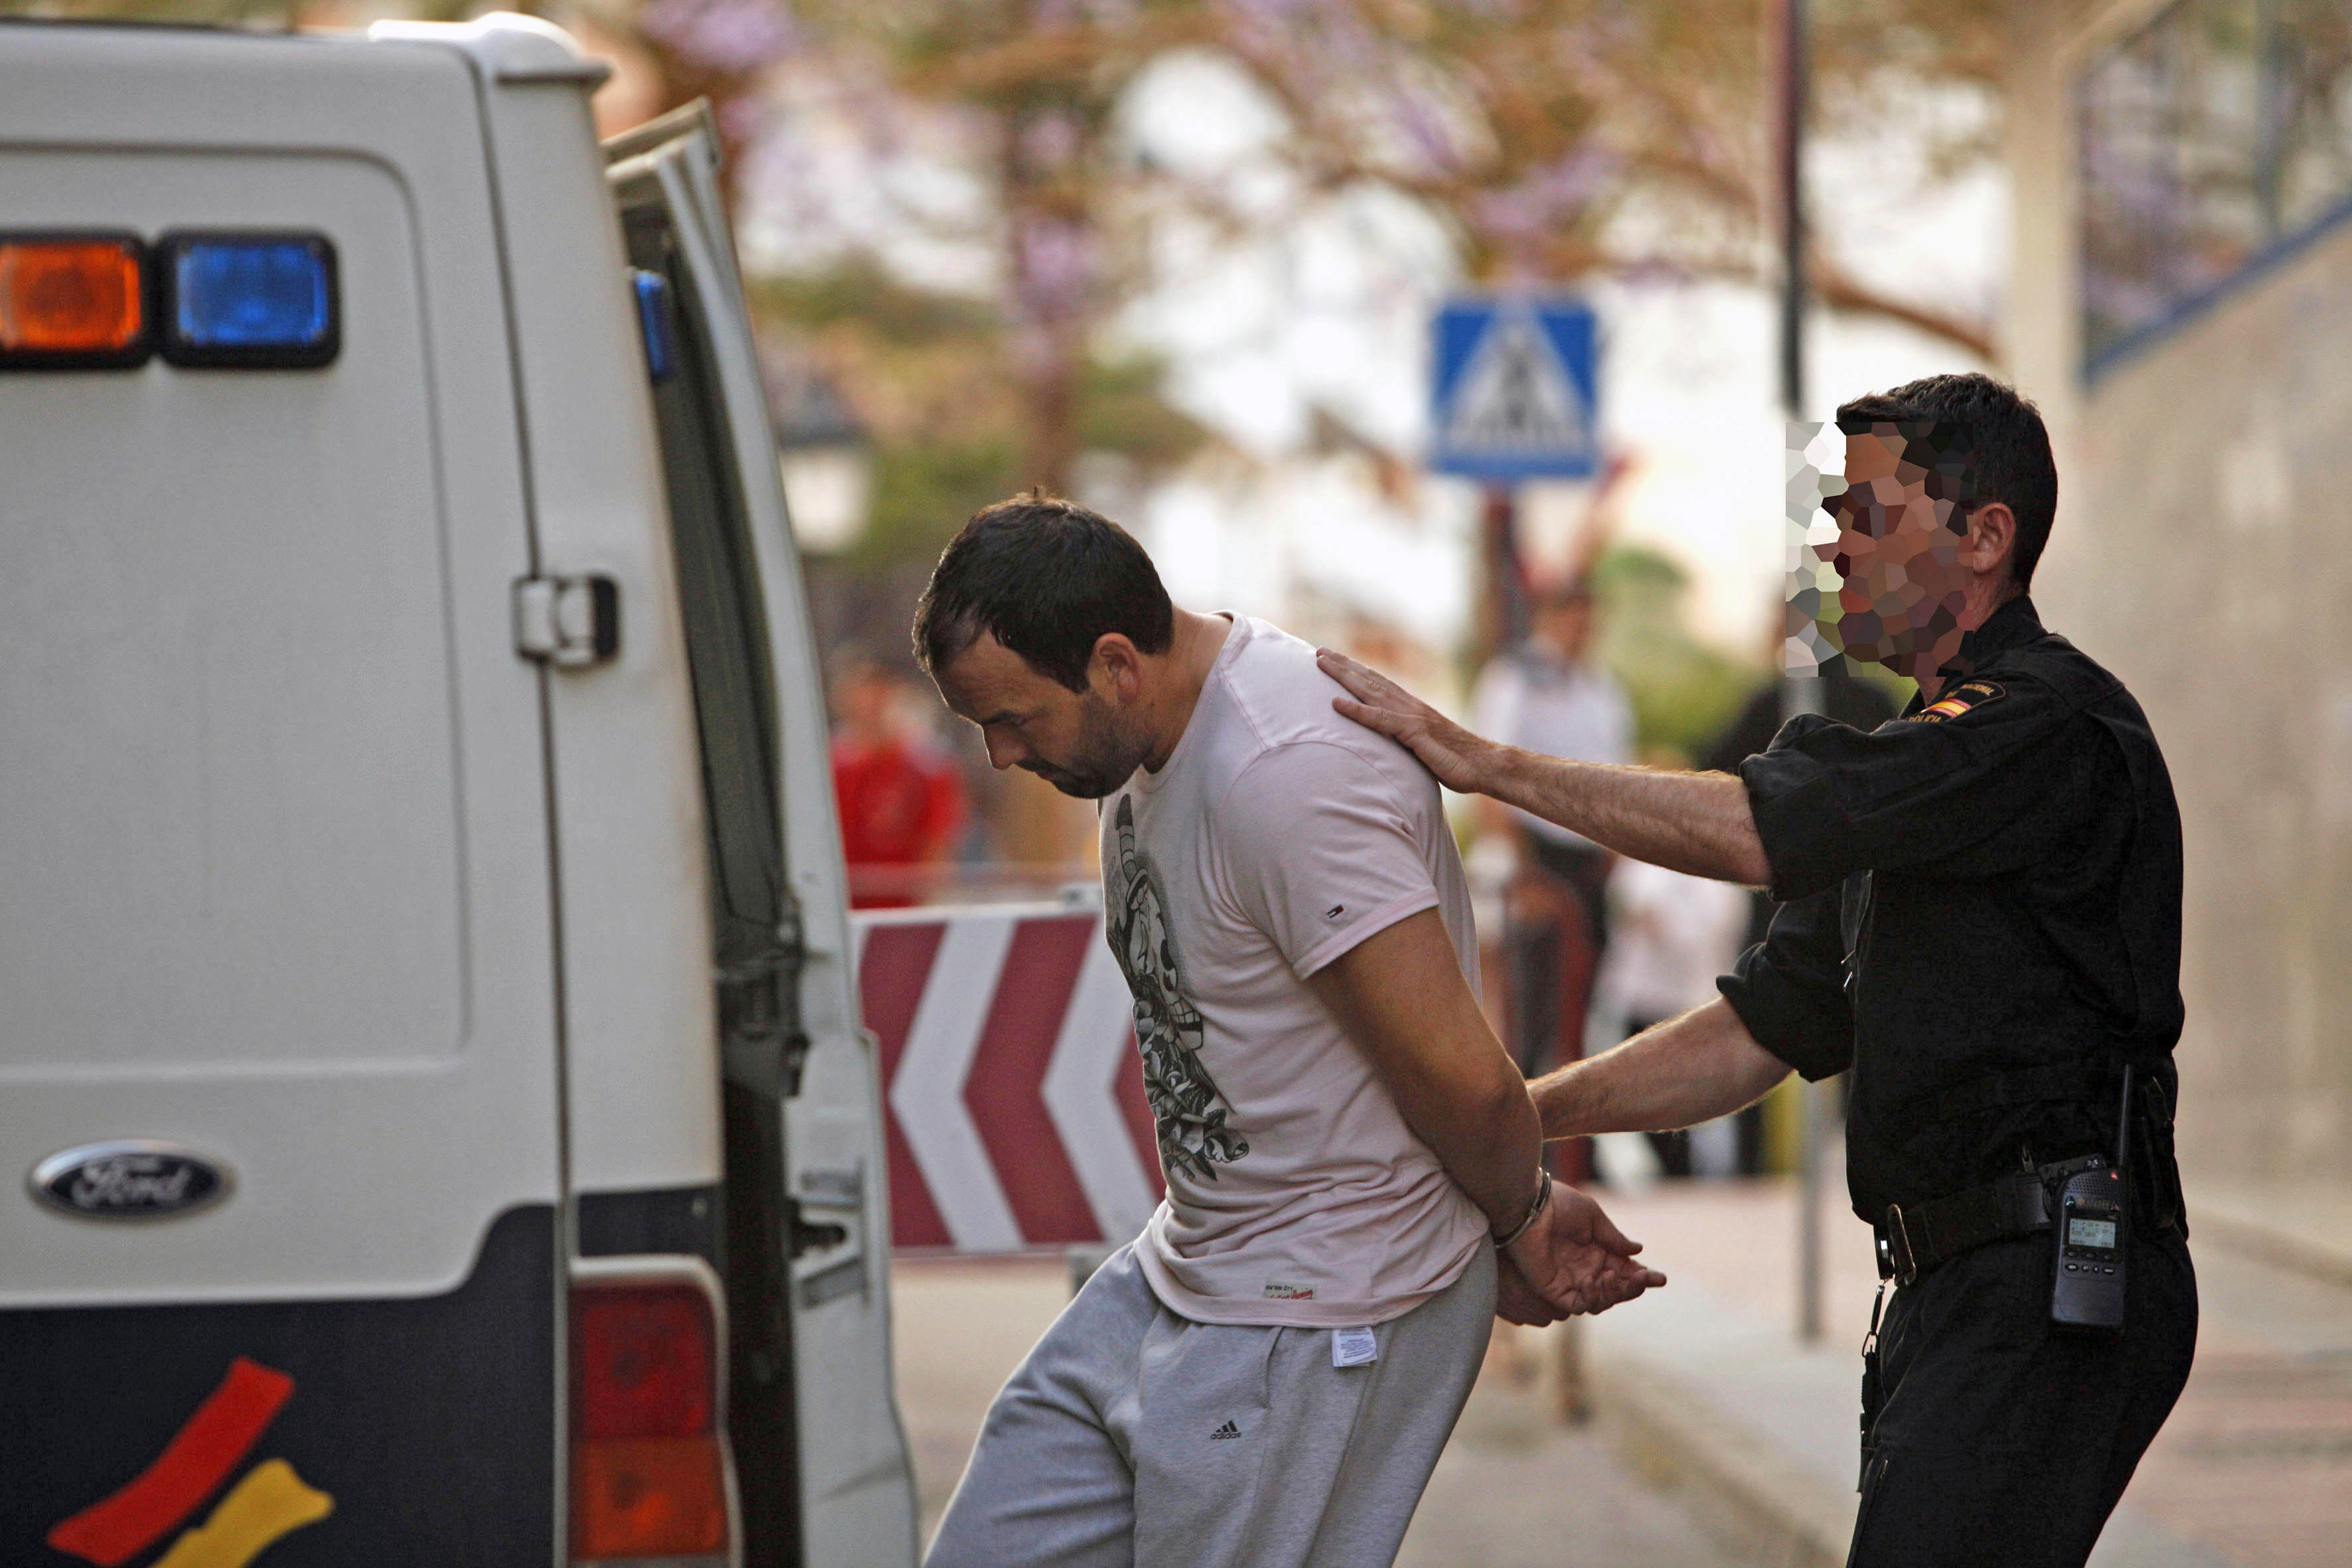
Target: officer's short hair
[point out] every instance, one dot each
(1999, 437)
(1047, 578)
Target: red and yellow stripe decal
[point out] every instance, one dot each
(267, 1503)
(270, 1502)
(199, 1457)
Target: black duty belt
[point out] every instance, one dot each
(1911, 1241)
(1915, 1238)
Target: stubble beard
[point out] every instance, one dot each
(1107, 755)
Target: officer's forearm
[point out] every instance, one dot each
(1686, 1070)
(1697, 823)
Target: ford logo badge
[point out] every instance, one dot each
(133, 1178)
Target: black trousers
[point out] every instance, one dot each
(1999, 1440)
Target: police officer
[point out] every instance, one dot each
(1979, 921)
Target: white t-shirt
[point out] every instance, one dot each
(1278, 836)
(1669, 936)
(1559, 708)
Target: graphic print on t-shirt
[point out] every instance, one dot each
(1189, 1113)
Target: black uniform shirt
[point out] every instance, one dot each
(1998, 873)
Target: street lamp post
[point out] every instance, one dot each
(1800, 692)
(826, 456)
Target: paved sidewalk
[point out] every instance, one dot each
(1704, 1386)
(1517, 1488)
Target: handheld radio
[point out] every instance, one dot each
(2090, 1223)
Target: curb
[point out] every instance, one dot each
(2243, 1222)
(1739, 1486)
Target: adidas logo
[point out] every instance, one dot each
(1227, 1430)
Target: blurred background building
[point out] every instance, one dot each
(2182, 306)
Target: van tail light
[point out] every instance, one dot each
(72, 300)
(649, 1461)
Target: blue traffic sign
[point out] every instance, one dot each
(1515, 389)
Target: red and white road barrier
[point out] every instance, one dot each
(1016, 1116)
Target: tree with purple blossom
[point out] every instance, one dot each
(1531, 128)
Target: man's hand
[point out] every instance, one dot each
(1516, 1300)
(1575, 1260)
(1460, 760)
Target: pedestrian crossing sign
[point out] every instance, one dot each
(1513, 394)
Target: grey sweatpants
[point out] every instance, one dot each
(1132, 1435)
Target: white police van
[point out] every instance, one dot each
(439, 1128)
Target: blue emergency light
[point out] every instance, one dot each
(248, 301)
(656, 323)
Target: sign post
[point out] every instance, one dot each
(1514, 396)
(1799, 693)
(1514, 393)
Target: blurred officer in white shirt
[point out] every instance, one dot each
(1674, 934)
(1551, 697)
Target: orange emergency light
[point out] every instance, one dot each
(73, 300)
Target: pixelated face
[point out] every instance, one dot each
(1902, 583)
(1075, 741)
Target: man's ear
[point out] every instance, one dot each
(1992, 535)
(1116, 666)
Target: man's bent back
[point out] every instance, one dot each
(1267, 1374)
(1270, 843)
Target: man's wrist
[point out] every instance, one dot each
(1526, 1221)
(1543, 786)
(1560, 1104)
(1491, 772)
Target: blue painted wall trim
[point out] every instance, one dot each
(2188, 307)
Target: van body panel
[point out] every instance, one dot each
(275, 837)
(424, 1422)
(439, 952)
(854, 1482)
(640, 1029)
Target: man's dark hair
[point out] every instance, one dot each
(1047, 578)
(1987, 443)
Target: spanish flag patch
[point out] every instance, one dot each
(1957, 702)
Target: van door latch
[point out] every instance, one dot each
(568, 621)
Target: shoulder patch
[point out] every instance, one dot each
(1958, 700)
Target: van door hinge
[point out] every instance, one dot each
(568, 621)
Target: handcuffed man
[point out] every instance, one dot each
(1264, 1378)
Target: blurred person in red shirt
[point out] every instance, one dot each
(901, 796)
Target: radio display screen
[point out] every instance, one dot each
(2091, 1232)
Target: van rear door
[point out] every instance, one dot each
(273, 850)
(800, 1074)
